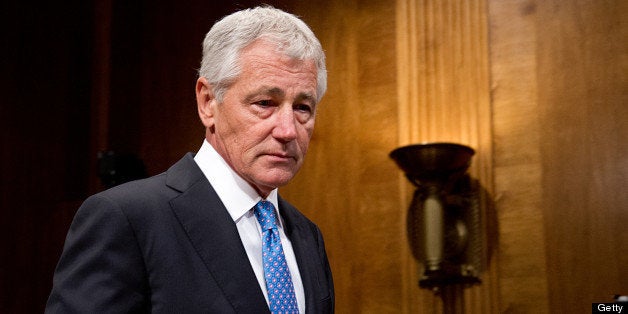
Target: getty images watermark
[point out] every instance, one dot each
(619, 306)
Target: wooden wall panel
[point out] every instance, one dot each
(517, 158)
(559, 103)
(583, 96)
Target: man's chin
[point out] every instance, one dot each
(273, 179)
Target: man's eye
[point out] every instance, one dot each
(264, 103)
(303, 108)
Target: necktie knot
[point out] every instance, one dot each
(265, 213)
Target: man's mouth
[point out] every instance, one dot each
(280, 156)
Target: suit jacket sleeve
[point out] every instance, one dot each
(101, 268)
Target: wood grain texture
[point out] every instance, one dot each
(517, 158)
(583, 94)
(559, 103)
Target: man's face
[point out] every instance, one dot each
(265, 122)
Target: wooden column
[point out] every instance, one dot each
(443, 96)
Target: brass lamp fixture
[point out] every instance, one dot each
(443, 222)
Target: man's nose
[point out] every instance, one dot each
(285, 124)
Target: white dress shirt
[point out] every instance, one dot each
(239, 198)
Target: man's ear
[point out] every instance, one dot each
(205, 102)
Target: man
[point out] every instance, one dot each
(198, 238)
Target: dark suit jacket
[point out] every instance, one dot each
(167, 244)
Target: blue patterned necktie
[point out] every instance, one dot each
(281, 296)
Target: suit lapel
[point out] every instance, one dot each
(214, 236)
(306, 253)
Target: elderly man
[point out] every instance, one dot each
(211, 234)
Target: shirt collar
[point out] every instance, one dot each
(236, 194)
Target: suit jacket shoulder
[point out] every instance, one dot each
(167, 244)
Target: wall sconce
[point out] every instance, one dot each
(444, 225)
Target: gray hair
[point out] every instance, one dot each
(226, 39)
